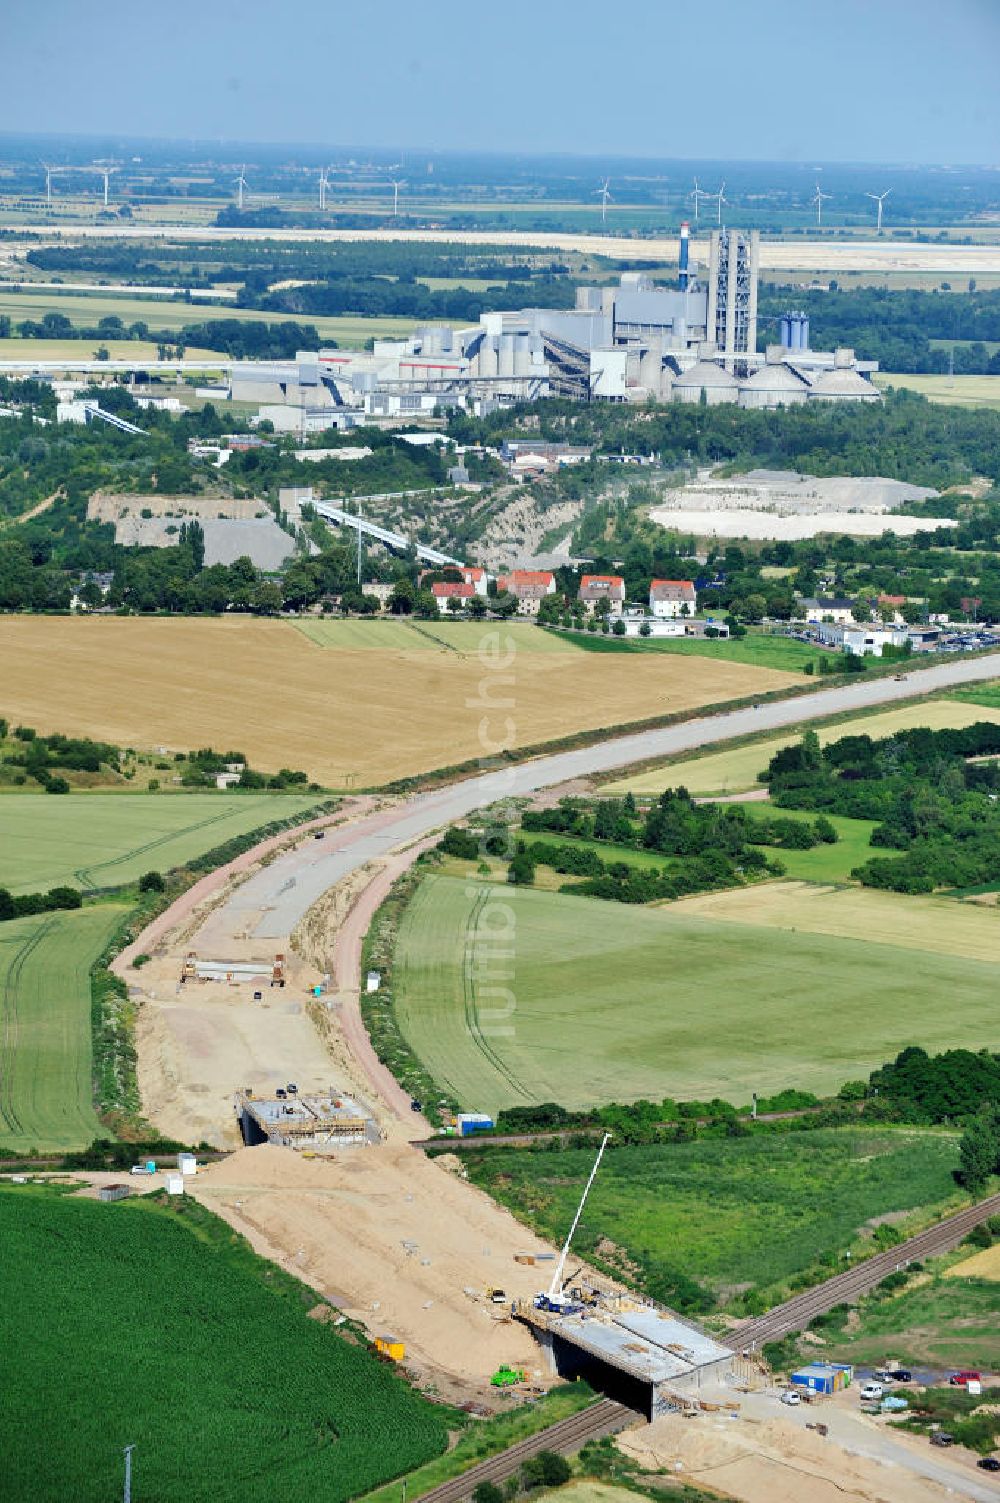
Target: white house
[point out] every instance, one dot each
(529, 588)
(672, 597)
(829, 608)
(445, 591)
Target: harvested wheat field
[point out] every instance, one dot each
(396, 1240)
(938, 925)
(354, 718)
(982, 1265)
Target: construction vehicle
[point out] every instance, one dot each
(497, 1296)
(507, 1377)
(555, 1299)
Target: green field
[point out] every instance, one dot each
(603, 1001)
(987, 695)
(85, 310)
(824, 863)
(46, 1090)
(727, 1211)
(95, 840)
(84, 349)
(463, 637)
(735, 770)
(937, 1322)
(154, 1324)
(955, 391)
(756, 650)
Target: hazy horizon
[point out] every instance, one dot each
(898, 83)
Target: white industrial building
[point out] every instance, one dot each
(627, 343)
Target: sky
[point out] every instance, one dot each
(774, 80)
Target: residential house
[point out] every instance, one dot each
(597, 587)
(890, 608)
(830, 608)
(445, 591)
(529, 587)
(672, 597)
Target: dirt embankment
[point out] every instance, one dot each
(397, 1242)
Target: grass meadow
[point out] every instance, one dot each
(407, 635)
(751, 1210)
(46, 1053)
(755, 649)
(735, 770)
(611, 1002)
(954, 391)
(96, 840)
(151, 1322)
(938, 1322)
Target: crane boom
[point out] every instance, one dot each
(554, 1287)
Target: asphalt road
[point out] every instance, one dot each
(271, 902)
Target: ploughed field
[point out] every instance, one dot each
(511, 995)
(153, 1323)
(46, 1054)
(98, 840)
(348, 717)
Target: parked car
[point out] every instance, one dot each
(942, 1438)
(959, 1380)
(901, 1375)
(292, 1088)
(790, 1397)
(416, 1106)
(989, 1463)
(882, 1375)
(871, 1391)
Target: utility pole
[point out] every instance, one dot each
(128, 1474)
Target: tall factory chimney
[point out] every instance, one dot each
(685, 250)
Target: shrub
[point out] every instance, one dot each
(151, 882)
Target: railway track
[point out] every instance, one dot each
(566, 1436)
(796, 1313)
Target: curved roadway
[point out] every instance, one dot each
(276, 898)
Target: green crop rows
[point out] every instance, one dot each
(155, 1325)
(108, 839)
(46, 1090)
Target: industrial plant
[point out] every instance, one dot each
(696, 341)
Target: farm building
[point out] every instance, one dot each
(823, 1377)
(862, 641)
(646, 1357)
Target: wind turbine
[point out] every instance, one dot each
(818, 201)
(48, 184)
(397, 183)
(698, 195)
(241, 183)
(324, 183)
(880, 199)
(604, 193)
(722, 199)
(106, 169)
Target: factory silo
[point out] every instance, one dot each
(488, 356)
(522, 354)
(506, 360)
